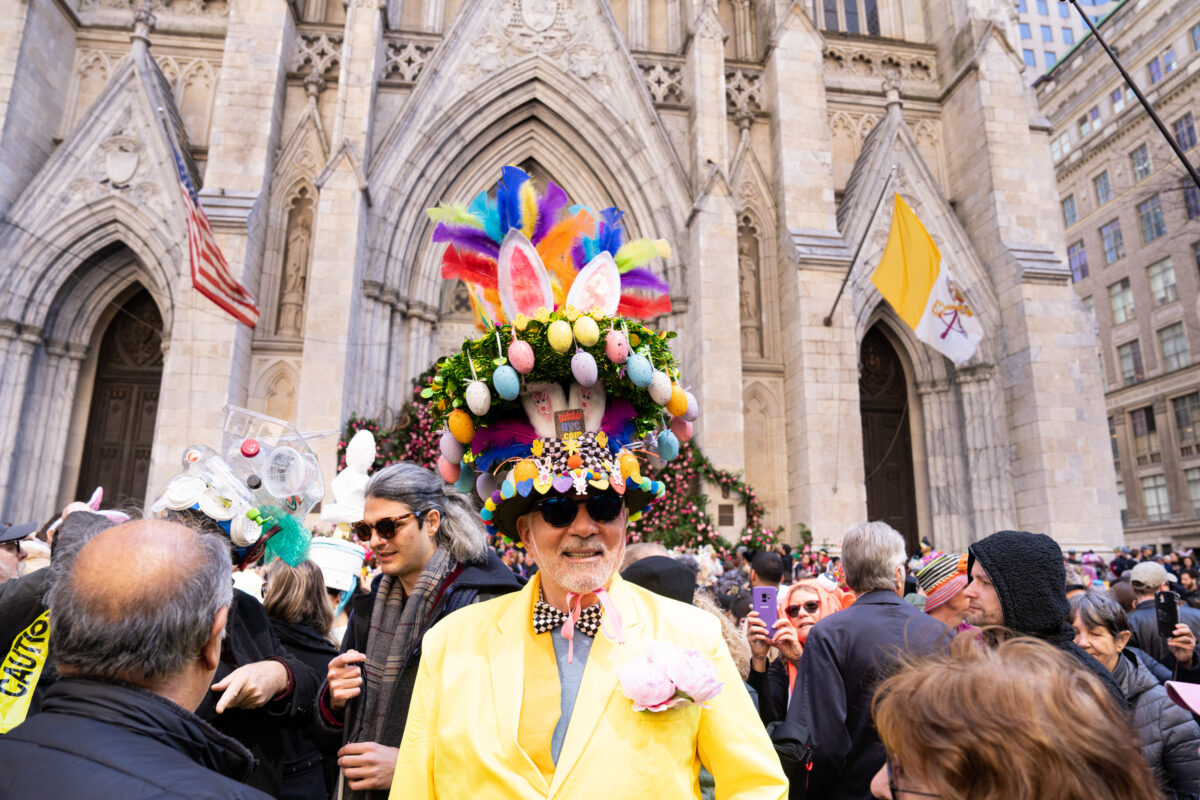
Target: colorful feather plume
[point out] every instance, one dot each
(638, 307)
(469, 267)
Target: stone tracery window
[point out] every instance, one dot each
(851, 16)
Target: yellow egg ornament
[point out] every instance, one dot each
(630, 468)
(559, 335)
(587, 332)
(677, 405)
(525, 470)
(461, 426)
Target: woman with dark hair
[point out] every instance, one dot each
(434, 559)
(1018, 721)
(1168, 735)
(295, 601)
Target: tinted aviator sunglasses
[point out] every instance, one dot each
(559, 512)
(811, 607)
(385, 528)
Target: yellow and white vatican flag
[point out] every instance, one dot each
(912, 277)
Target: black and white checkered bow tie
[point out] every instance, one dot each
(546, 617)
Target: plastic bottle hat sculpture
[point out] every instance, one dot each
(551, 398)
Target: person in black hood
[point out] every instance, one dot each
(1018, 580)
(119, 722)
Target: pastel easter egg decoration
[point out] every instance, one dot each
(461, 425)
(682, 429)
(559, 335)
(485, 484)
(583, 367)
(630, 467)
(660, 388)
(668, 446)
(677, 405)
(508, 489)
(450, 447)
(693, 408)
(587, 332)
(639, 370)
(449, 470)
(525, 470)
(466, 481)
(479, 398)
(616, 347)
(506, 381)
(520, 354)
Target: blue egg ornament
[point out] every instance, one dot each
(507, 382)
(639, 370)
(466, 480)
(668, 446)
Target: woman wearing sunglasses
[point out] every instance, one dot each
(434, 558)
(801, 606)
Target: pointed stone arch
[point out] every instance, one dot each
(766, 450)
(275, 390)
(195, 94)
(88, 80)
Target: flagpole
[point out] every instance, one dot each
(828, 321)
(1187, 165)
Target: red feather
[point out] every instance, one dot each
(469, 267)
(633, 305)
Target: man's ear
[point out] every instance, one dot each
(210, 653)
(523, 530)
(433, 521)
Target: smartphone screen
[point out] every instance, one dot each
(1166, 606)
(764, 601)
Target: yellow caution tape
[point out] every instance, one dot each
(20, 672)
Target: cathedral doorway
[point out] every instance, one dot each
(887, 442)
(116, 451)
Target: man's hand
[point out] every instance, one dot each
(345, 680)
(368, 765)
(1182, 645)
(760, 641)
(251, 686)
(787, 641)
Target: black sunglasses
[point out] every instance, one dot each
(898, 793)
(385, 528)
(811, 607)
(559, 512)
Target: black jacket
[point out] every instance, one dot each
(249, 638)
(1167, 734)
(846, 656)
(1031, 581)
(1144, 622)
(103, 740)
(308, 773)
(473, 584)
(772, 689)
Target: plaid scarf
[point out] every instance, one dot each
(397, 625)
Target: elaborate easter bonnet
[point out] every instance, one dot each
(565, 392)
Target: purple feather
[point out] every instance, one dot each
(642, 278)
(467, 238)
(617, 419)
(549, 206)
(578, 256)
(503, 434)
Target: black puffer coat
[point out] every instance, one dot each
(308, 773)
(1167, 733)
(95, 739)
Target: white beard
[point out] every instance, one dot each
(581, 578)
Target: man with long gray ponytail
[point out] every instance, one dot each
(431, 547)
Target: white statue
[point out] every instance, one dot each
(349, 487)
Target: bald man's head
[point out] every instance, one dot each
(139, 601)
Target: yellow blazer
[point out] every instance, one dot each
(460, 740)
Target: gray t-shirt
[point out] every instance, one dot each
(569, 678)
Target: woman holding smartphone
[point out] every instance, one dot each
(801, 606)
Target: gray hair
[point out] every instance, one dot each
(460, 531)
(871, 552)
(151, 641)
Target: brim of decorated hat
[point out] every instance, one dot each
(508, 511)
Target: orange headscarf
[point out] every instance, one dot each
(830, 602)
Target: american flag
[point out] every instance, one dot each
(210, 271)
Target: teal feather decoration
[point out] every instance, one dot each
(290, 543)
(484, 208)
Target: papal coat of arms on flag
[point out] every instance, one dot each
(920, 287)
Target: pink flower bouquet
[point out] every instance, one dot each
(666, 676)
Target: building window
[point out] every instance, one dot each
(1118, 99)
(1145, 436)
(1021, 6)
(1089, 122)
(1196, 38)
(1068, 35)
(1168, 61)
(1155, 69)
(1173, 342)
(1162, 282)
(1042, 8)
(1150, 218)
(1112, 436)
(1103, 188)
(1121, 504)
(1070, 215)
(1114, 242)
(1050, 58)
(1196, 254)
(1130, 356)
(1154, 490)
(1089, 303)
(1191, 198)
(1047, 34)
(1193, 483)
(1185, 131)
(1061, 146)
(1141, 163)
(848, 15)
(1120, 296)
(1025, 32)
(1065, 12)
(1077, 256)
(1187, 417)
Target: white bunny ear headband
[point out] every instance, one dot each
(565, 388)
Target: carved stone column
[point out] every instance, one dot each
(988, 459)
(949, 489)
(15, 358)
(638, 24)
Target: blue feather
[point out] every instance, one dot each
(508, 197)
(484, 208)
(610, 233)
(485, 461)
